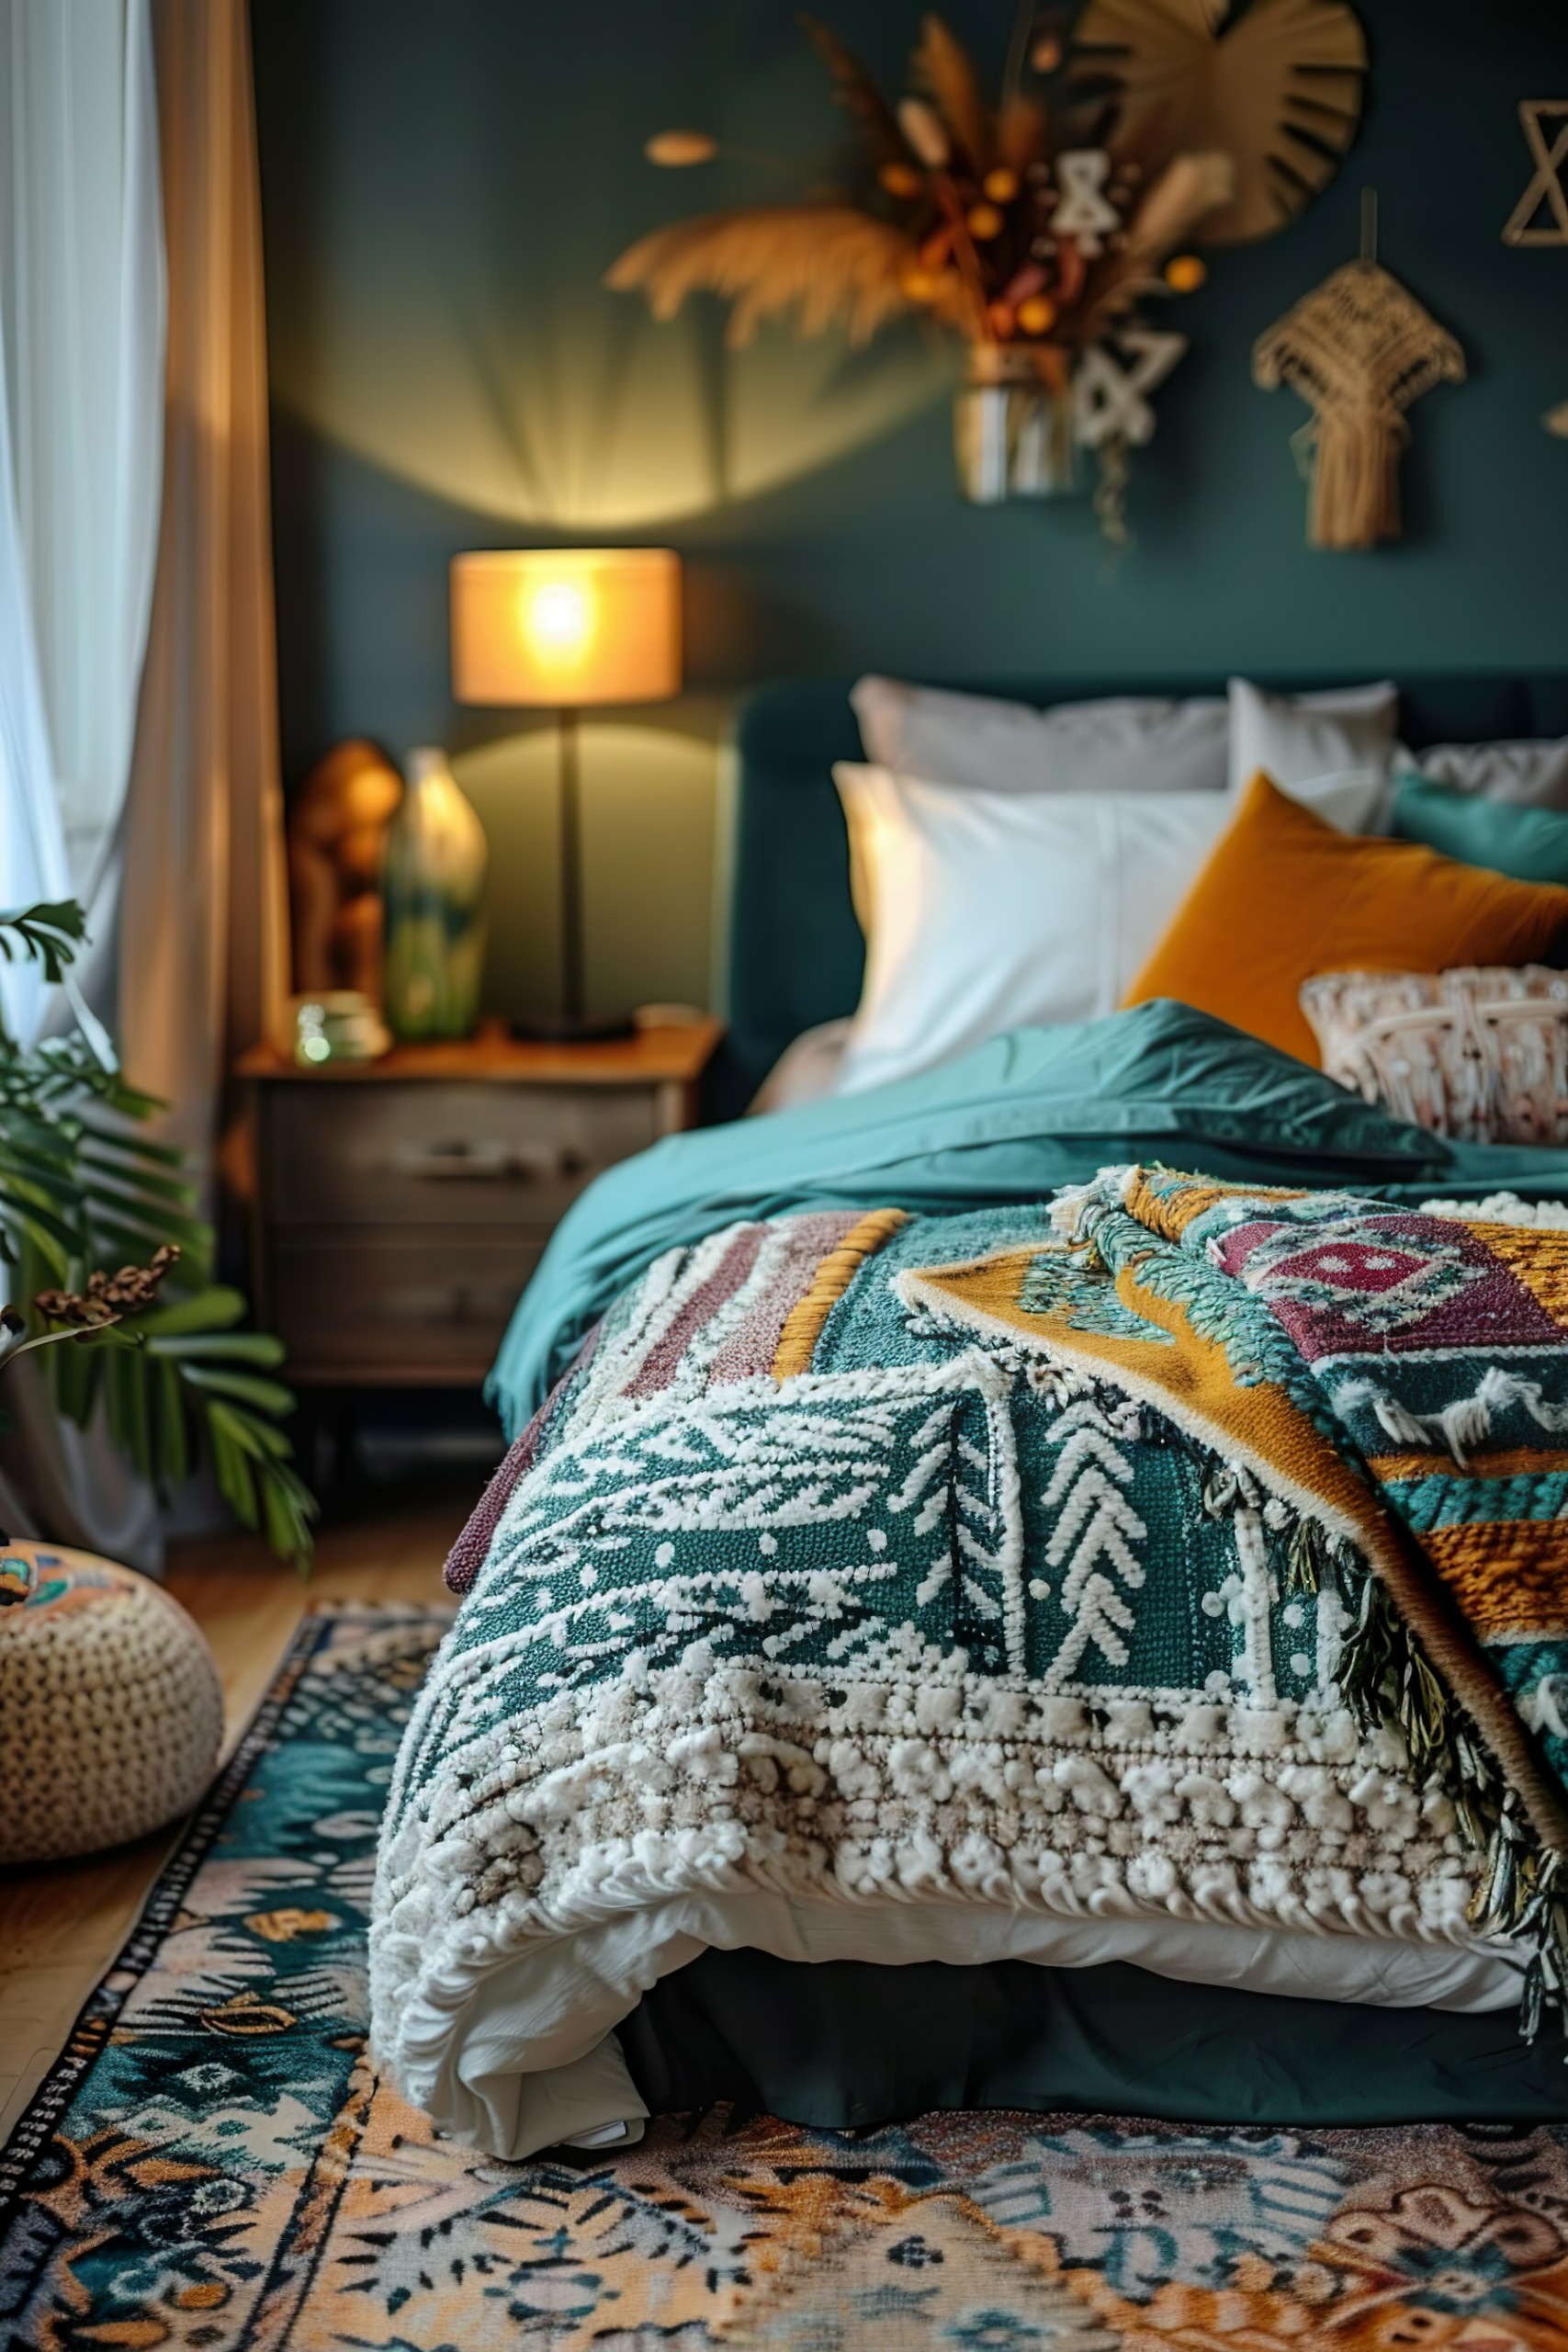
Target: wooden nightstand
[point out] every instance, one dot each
(400, 1206)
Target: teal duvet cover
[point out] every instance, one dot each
(1032, 1111)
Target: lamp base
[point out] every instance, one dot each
(570, 1028)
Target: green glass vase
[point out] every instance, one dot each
(434, 905)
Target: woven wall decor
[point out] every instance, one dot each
(1358, 350)
(1277, 87)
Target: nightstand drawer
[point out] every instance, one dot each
(413, 1154)
(411, 1307)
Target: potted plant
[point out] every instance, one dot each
(110, 1271)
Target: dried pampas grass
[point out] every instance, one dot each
(1186, 192)
(677, 151)
(829, 262)
(1021, 132)
(942, 68)
(855, 89)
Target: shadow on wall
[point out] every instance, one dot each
(648, 834)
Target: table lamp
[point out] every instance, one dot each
(566, 628)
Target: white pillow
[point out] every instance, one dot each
(1530, 774)
(988, 745)
(1293, 737)
(990, 910)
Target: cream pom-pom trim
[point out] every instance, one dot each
(1504, 1208)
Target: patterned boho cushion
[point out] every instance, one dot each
(110, 1706)
(1480, 1054)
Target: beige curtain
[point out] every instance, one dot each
(203, 939)
(195, 967)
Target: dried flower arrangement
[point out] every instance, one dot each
(1034, 225)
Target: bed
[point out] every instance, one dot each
(634, 1858)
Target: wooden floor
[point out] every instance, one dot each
(61, 1926)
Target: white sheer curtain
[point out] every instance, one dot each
(32, 837)
(81, 332)
(82, 335)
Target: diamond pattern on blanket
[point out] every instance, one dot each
(1396, 1281)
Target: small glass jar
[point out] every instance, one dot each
(1012, 426)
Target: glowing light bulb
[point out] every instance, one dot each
(558, 620)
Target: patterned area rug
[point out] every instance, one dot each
(213, 2165)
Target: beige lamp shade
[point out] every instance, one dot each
(566, 626)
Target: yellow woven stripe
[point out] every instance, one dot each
(1170, 1213)
(1510, 1578)
(1510, 1462)
(1536, 1257)
(803, 1327)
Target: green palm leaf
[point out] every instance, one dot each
(81, 1190)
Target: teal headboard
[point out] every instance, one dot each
(795, 954)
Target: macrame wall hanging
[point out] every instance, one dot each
(1359, 350)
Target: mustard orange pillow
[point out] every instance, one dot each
(1284, 896)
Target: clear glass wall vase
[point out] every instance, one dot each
(435, 898)
(1012, 428)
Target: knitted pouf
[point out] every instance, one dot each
(110, 1709)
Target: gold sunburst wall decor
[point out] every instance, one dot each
(1277, 87)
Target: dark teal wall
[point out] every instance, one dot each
(444, 182)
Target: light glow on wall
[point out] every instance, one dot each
(621, 426)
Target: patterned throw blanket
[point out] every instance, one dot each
(1183, 1548)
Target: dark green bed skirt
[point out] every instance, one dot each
(845, 2044)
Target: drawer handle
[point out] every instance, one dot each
(434, 1307)
(486, 1163)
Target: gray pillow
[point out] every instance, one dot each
(982, 743)
(1532, 774)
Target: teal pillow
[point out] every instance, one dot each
(1527, 844)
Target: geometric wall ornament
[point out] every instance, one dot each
(1540, 216)
(1108, 391)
